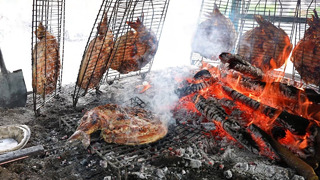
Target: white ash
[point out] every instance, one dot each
(194, 163)
(262, 170)
(228, 174)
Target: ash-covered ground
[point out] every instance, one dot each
(201, 158)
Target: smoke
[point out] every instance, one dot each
(164, 83)
(160, 98)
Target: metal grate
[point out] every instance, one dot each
(116, 14)
(51, 14)
(120, 157)
(289, 15)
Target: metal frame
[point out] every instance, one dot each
(120, 157)
(289, 15)
(52, 15)
(118, 12)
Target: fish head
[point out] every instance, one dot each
(40, 32)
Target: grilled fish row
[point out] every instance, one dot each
(128, 53)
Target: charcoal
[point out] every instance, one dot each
(312, 95)
(192, 88)
(239, 64)
(202, 74)
(213, 111)
(278, 132)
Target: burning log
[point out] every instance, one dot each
(291, 99)
(213, 111)
(238, 63)
(192, 88)
(189, 88)
(288, 157)
(294, 123)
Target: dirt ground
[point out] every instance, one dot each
(63, 161)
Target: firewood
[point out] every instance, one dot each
(213, 111)
(192, 88)
(294, 123)
(287, 156)
(291, 96)
(238, 63)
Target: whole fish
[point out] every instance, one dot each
(46, 62)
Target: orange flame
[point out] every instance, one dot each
(145, 87)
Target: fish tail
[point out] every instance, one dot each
(135, 25)
(80, 135)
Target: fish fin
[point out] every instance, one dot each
(135, 25)
(216, 9)
(80, 135)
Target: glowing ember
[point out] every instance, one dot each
(145, 86)
(268, 93)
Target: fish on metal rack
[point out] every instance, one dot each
(135, 49)
(214, 35)
(96, 57)
(266, 46)
(306, 54)
(45, 62)
(120, 125)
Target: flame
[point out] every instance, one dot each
(269, 95)
(145, 87)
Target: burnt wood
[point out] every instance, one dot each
(213, 111)
(192, 88)
(287, 156)
(202, 74)
(296, 124)
(20, 154)
(238, 63)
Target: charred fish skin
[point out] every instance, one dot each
(96, 57)
(45, 62)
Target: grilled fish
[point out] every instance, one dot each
(96, 57)
(46, 62)
(266, 46)
(134, 49)
(120, 125)
(306, 54)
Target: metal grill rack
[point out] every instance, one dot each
(51, 13)
(289, 15)
(120, 157)
(118, 13)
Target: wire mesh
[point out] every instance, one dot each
(97, 63)
(122, 156)
(290, 16)
(47, 50)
